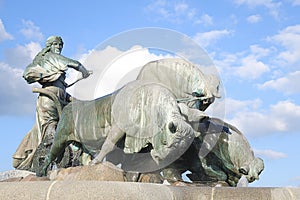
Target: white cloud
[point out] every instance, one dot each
(178, 13)
(253, 18)
(171, 12)
(288, 114)
(254, 3)
(124, 69)
(112, 69)
(288, 84)
(295, 2)
(272, 6)
(258, 51)
(251, 68)
(283, 116)
(228, 107)
(3, 34)
(233, 106)
(247, 66)
(207, 38)
(252, 123)
(20, 56)
(268, 153)
(30, 31)
(289, 38)
(97, 61)
(16, 95)
(181, 8)
(205, 19)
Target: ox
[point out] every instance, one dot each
(219, 153)
(142, 114)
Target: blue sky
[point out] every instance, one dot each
(254, 44)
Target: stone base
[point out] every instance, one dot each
(106, 181)
(108, 190)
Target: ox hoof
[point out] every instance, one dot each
(132, 176)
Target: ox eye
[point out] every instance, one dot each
(196, 94)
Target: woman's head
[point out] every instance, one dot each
(55, 44)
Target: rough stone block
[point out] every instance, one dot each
(101, 172)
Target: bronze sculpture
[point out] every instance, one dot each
(161, 115)
(48, 69)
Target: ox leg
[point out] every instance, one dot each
(192, 114)
(57, 148)
(109, 144)
(213, 171)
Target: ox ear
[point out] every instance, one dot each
(244, 170)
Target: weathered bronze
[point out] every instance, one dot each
(48, 69)
(220, 153)
(154, 124)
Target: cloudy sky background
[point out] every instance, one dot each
(254, 44)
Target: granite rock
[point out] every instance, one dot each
(14, 175)
(101, 172)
